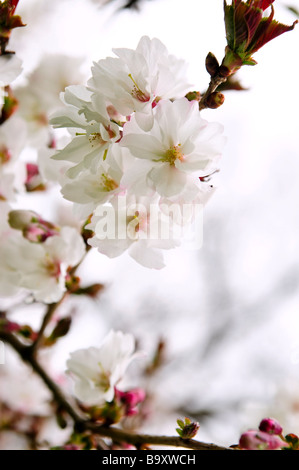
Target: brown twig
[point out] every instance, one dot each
(120, 436)
(214, 84)
(46, 320)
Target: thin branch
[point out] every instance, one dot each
(46, 320)
(214, 84)
(120, 436)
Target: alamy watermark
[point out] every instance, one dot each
(131, 220)
(2, 353)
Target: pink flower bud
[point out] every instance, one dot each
(259, 440)
(130, 399)
(34, 234)
(271, 426)
(34, 180)
(33, 227)
(135, 396)
(12, 327)
(71, 447)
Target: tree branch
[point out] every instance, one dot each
(214, 84)
(46, 320)
(141, 439)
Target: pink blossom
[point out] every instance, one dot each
(130, 399)
(271, 426)
(259, 440)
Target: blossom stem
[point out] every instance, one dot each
(46, 320)
(214, 84)
(81, 424)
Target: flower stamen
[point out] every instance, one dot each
(138, 93)
(108, 184)
(173, 154)
(103, 381)
(96, 138)
(53, 267)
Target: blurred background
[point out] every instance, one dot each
(228, 314)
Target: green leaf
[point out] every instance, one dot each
(180, 423)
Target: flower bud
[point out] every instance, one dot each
(271, 426)
(19, 219)
(61, 418)
(27, 332)
(212, 64)
(193, 96)
(10, 105)
(60, 330)
(215, 100)
(34, 180)
(293, 441)
(33, 227)
(259, 440)
(71, 447)
(130, 399)
(91, 291)
(187, 429)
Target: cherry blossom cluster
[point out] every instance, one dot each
(136, 164)
(140, 152)
(36, 256)
(268, 436)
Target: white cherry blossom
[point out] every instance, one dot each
(92, 188)
(136, 80)
(97, 370)
(39, 268)
(181, 145)
(40, 96)
(94, 131)
(10, 68)
(135, 136)
(12, 171)
(136, 225)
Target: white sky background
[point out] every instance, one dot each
(229, 313)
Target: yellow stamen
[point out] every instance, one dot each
(173, 154)
(108, 184)
(138, 93)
